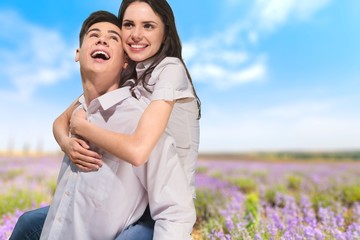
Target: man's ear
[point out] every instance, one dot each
(164, 39)
(125, 65)
(126, 61)
(77, 57)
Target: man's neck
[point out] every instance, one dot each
(94, 88)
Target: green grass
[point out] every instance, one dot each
(20, 199)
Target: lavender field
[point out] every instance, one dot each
(235, 199)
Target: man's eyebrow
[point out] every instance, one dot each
(98, 30)
(114, 32)
(93, 29)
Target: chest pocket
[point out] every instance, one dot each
(97, 186)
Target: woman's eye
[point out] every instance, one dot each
(148, 26)
(127, 25)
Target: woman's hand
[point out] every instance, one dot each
(77, 149)
(81, 156)
(78, 120)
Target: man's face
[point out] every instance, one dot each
(101, 50)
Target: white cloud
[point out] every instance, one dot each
(223, 66)
(32, 56)
(227, 58)
(223, 78)
(298, 110)
(271, 14)
(310, 125)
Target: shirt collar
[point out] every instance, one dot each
(107, 100)
(142, 66)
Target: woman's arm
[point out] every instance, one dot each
(76, 149)
(134, 148)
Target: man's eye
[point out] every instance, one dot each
(94, 35)
(115, 38)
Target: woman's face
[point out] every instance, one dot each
(143, 32)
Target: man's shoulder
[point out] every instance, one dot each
(131, 106)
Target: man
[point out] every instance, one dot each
(101, 204)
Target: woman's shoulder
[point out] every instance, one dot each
(170, 68)
(169, 61)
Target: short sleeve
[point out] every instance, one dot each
(171, 81)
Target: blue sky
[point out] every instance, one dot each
(271, 74)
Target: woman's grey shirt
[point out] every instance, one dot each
(169, 81)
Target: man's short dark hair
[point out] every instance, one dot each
(96, 17)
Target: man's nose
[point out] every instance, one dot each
(102, 40)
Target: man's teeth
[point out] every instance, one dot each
(98, 53)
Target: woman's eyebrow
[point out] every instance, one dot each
(149, 22)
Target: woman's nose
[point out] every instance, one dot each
(136, 34)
